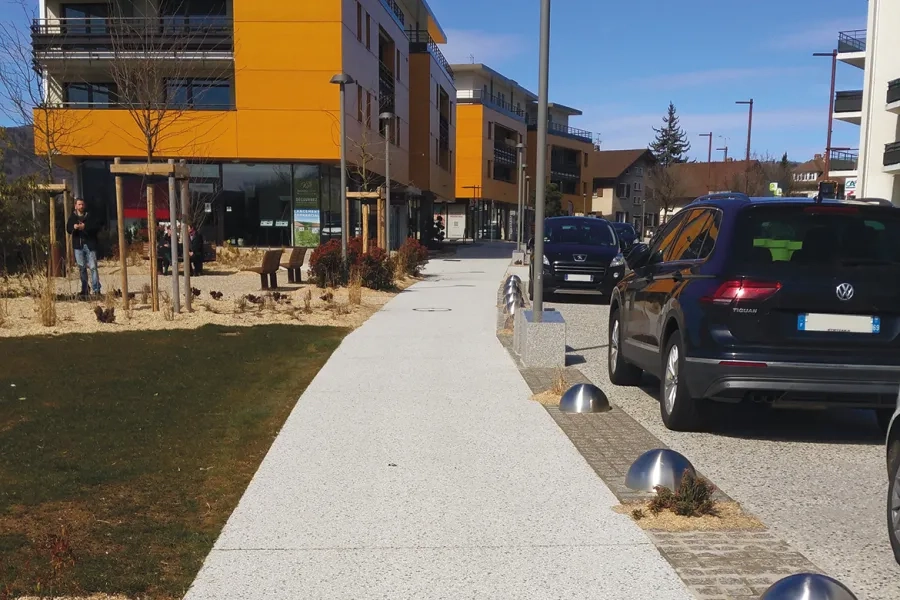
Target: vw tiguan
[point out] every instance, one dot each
(781, 301)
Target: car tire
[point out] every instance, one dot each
(883, 418)
(620, 371)
(679, 411)
(893, 499)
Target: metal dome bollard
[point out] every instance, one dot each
(512, 295)
(657, 467)
(513, 305)
(808, 586)
(513, 279)
(584, 398)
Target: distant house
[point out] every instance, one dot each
(620, 179)
(693, 180)
(808, 175)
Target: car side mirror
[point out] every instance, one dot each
(530, 245)
(637, 256)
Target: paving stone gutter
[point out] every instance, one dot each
(715, 565)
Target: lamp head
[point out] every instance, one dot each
(342, 79)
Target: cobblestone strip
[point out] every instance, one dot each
(730, 565)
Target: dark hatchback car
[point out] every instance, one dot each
(626, 233)
(782, 302)
(581, 254)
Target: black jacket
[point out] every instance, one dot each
(86, 237)
(196, 246)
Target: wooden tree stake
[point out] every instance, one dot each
(120, 225)
(151, 236)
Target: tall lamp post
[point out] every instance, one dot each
(749, 133)
(541, 166)
(520, 207)
(387, 117)
(343, 80)
(833, 54)
(708, 162)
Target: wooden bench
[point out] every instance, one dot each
(268, 270)
(294, 263)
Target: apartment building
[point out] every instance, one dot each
(246, 89)
(874, 169)
(619, 189)
(492, 121)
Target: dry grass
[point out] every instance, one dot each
(354, 287)
(145, 292)
(548, 398)
(560, 383)
(307, 301)
(168, 308)
(46, 304)
(238, 258)
(729, 517)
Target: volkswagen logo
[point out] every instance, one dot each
(579, 257)
(844, 291)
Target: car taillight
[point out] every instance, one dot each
(743, 290)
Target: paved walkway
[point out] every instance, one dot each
(415, 466)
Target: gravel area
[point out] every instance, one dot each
(817, 479)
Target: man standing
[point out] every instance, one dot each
(84, 228)
(196, 249)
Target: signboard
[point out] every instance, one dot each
(266, 223)
(307, 219)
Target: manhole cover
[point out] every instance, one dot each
(452, 260)
(432, 309)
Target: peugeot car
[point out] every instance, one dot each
(784, 302)
(581, 254)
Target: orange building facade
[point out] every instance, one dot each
(249, 105)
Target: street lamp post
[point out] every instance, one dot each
(833, 54)
(520, 207)
(541, 165)
(749, 134)
(708, 162)
(387, 117)
(343, 80)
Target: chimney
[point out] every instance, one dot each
(817, 157)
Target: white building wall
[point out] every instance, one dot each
(879, 126)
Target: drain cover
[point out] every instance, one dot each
(452, 260)
(432, 309)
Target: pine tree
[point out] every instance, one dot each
(671, 144)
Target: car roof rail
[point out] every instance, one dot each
(724, 196)
(878, 201)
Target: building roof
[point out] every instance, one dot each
(482, 68)
(572, 112)
(816, 165)
(698, 179)
(610, 164)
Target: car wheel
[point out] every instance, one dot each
(883, 417)
(893, 502)
(620, 372)
(678, 410)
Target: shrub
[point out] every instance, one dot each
(412, 255)
(376, 269)
(693, 498)
(327, 266)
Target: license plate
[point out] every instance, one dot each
(838, 323)
(587, 278)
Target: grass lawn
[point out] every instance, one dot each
(123, 454)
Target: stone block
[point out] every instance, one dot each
(540, 344)
(518, 257)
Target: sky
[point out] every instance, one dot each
(621, 63)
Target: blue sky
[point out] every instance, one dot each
(622, 62)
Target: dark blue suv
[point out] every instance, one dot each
(777, 301)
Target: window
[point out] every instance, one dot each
(368, 32)
(490, 130)
(637, 186)
(662, 242)
(359, 103)
(359, 21)
(368, 108)
(639, 171)
(636, 201)
(200, 94)
(397, 67)
(193, 12)
(397, 127)
(698, 236)
(587, 232)
(584, 188)
(620, 216)
(490, 168)
(85, 19)
(623, 190)
(80, 95)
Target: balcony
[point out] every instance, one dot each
(848, 106)
(564, 130)
(421, 42)
(892, 157)
(396, 12)
(893, 96)
(504, 154)
(97, 38)
(386, 89)
(852, 47)
(444, 135)
(844, 163)
(479, 97)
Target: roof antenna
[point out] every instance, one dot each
(472, 59)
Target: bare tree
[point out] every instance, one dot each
(665, 189)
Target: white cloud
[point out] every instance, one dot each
(713, 76)
(488, 48)
(817, 37)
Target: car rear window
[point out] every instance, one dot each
(585, 233)
(812, 236)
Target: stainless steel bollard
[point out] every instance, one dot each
(584, 398)
(657, 467)
(808, 586)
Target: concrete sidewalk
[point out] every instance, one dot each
(415, 466)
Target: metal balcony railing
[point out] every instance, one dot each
(892, 154)
(487, 99)
(421, 41)
(396, 11)
(444, 134)
(504, 154)
(893, 91)
(849, 101)
(139, 34)
(564, 130)
(386, 89)
(852, 41)
(844, 160)
(565, 171)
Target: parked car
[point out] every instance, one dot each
(893, 495)
(626, 233)
(580, 254)
(777, 301)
